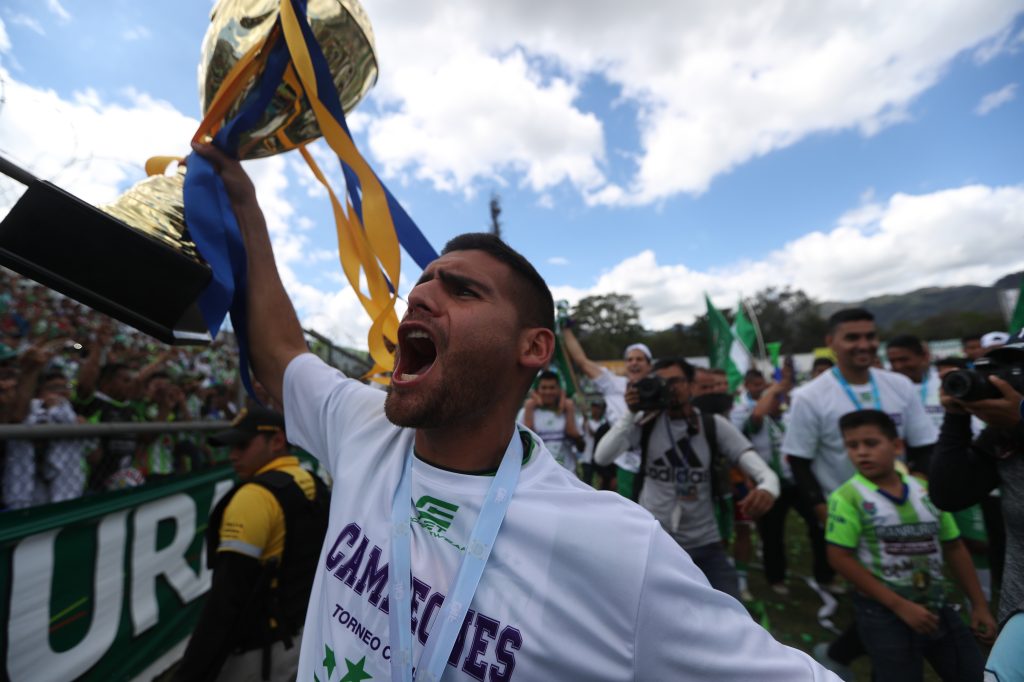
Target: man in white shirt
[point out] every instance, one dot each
(813, 441)
(613, 387)
(552, 416)
(415, 509)
(909, 356)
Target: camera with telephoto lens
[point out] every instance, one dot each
(969, 385)
(653, 393)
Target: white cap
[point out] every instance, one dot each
(993, 339)
(642, 347)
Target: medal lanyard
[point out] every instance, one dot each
(774, 431)
(460, 593)
(849, 391)
(924, 389)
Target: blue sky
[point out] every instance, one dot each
(662, 153)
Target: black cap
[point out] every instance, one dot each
(249, 423)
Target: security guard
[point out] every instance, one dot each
(263, 543)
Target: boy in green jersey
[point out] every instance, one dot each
(887, 538)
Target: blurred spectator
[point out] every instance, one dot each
(821, 365)
(116, 374)
(971, 345)
(165, 403)
(43, 471)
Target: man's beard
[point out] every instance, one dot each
(462, 392)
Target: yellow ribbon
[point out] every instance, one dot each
(381, 253)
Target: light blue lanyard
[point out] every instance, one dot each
(449, 620)
(924, 390)
(849, 391)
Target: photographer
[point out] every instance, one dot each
(685, 458)
(966, 469)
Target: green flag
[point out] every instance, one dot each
(774, 349)
(561, 363)
(730, 344)
(560, 360)
(1017, 319)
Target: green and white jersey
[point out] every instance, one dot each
(898, 540)
(550, 426)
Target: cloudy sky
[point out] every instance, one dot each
(656, 148)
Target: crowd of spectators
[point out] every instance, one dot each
(64, 363)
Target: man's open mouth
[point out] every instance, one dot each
(416, 355)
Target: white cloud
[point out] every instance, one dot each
(1004, 42)
(28, 22)
(5, 40)
(93, 148)
(965, 235)
(558, 260)
(136, 33)
(58, 10)
(994, 100)
(472, 91)
(495, 115)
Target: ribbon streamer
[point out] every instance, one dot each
(371, 225)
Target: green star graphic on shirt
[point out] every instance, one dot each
(355, 671)
(329, 661)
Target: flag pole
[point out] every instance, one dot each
(757, 328)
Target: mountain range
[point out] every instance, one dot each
(922, 304)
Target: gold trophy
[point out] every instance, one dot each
(132, 259)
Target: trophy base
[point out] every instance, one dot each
(75, 248)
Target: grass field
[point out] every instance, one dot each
(793, 618)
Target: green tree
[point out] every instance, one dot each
(606, 324)
(680, 340)
(951, 325)
(791, 317)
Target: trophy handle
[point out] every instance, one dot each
(64, 243)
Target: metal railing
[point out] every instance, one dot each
(69, 431)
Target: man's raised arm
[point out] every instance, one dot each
(275, 335)
(575, 350)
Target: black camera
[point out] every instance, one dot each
(713, 403)
(969, 385)
(653, 393)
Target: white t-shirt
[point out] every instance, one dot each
(535, 615)
(812, 428)
(613, 389)
(550, 426)
(928, 394)
(766, 439)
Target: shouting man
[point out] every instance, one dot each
(457, 546)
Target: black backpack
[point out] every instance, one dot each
(285, 583)
(721, 486)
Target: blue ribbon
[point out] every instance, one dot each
(875, 395)
(409, 235)
(211, 220)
